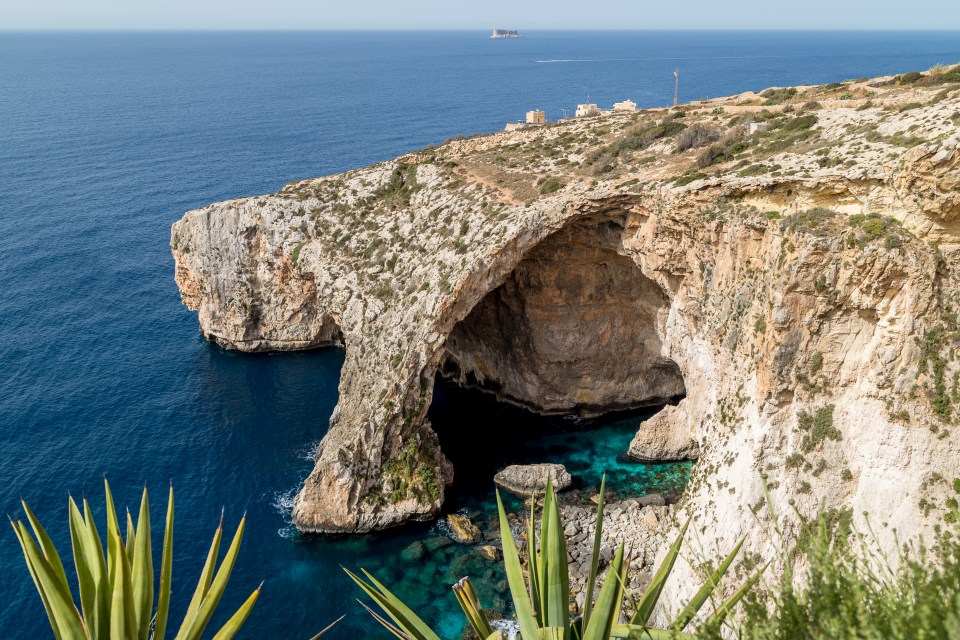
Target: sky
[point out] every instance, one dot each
(458, 14)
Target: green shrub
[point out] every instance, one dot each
(295, 253)
(639, 137)
(401, 186)
(696, 136)
(846, 590)
(778, 96)
(551, 185)
(815, 221)
(817, 427)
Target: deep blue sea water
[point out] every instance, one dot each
(107, 138)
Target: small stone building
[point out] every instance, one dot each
(537, 116)
(587, 110)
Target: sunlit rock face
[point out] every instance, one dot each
(797, 286)
(572, 329)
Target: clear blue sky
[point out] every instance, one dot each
(458, 14)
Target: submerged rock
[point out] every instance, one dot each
(414, 552)
(462, 530)
(437, 542)
(490, 552)
(531, 479)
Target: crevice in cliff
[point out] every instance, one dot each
(572, 330)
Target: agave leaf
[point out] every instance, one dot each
(122, 624)
(470, 603)
(383, 621)
(650, 597)
(166, 573)
(518, 589)
(595, 559)
(56, 594)
(557, 580)
(330, 626)
(46, 544)
(230, 629)
(496, 635)
(533, 563)
(409, 623)
(113, 525)
(85, 578)
(720, 615)
(203, 584)
(607, 610)
(97, 564)
(703, 594)
(47, 607)
(131, 542)
(217, 587)
(143, 570)
(640, 632)
(421, 627)
(544, 560)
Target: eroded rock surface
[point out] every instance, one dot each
(667, 436)
(572, 329)
(797, 285)
(531, 479)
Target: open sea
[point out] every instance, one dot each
(107, 138)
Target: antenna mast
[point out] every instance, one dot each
(676, 87)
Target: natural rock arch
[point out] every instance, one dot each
(573, 328)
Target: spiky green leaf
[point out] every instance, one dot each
(703, 594)
(595, 557)
(607, 610)
(650, 597)
(166, 574)
(518, 588)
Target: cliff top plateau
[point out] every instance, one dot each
(786, 262)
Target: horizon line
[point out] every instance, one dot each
(474, 29)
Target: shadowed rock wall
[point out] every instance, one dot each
(572, 329)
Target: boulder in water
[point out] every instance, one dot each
(490, 552)
(530, 479)
(414, 552)
(462, 530)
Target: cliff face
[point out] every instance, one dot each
(797, 286)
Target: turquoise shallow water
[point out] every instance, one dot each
(107, 138)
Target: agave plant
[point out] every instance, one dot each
(117, 586)
(541, 598)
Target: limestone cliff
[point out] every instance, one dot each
(786, 262)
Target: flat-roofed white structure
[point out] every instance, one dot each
(626, 105)
(587, 110)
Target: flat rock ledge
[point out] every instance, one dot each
(531, 479)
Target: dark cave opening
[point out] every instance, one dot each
(573, 329)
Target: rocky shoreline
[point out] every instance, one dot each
(788, 261)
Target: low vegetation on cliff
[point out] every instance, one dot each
(795, 251)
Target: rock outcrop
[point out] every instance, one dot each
(667, 436)
(797, 286)
(531, 479)
(462, 530)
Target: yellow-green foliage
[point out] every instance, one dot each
(116, 585)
